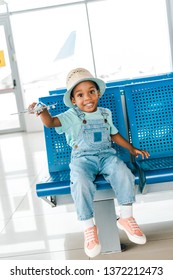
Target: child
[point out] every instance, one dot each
(89, 131)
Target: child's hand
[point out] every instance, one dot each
(37, 108)
(137, 152)
(31, 108)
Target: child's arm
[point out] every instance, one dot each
(46, 118)
(118, 139)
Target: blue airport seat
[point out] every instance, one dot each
(150, 115)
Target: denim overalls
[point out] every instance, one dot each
(92, 154)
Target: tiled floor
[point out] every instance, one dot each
(31, 230)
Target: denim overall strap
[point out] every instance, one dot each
(104, 114)
(81, 114)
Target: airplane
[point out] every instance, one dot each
(51, 71)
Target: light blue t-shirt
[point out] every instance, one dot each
(71, 123)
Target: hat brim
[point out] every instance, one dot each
(67, 100)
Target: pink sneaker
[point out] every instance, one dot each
(132, 230)
(92, 245)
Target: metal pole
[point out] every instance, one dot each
(169, 10)
(92, 49)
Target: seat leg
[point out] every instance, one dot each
(105, 218)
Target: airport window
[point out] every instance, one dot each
(49, 43)
(117, 39)
(130, 38)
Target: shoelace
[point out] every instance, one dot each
(133, 225)
(90, 235)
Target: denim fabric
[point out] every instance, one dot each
(92, 154)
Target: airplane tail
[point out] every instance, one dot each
(68, 48)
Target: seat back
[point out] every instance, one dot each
(150, 116)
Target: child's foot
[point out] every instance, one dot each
(92, 245)
(132, 230)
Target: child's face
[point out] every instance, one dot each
(86, 96)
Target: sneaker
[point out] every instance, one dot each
(132, 230)
(92, 245)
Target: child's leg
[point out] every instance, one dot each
(87, 223)
(122, 182)
(83, 173)
(82, 176)
(126, 211)
(120, 178)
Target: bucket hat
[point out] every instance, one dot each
(77, 76)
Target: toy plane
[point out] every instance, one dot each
(39, 107)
